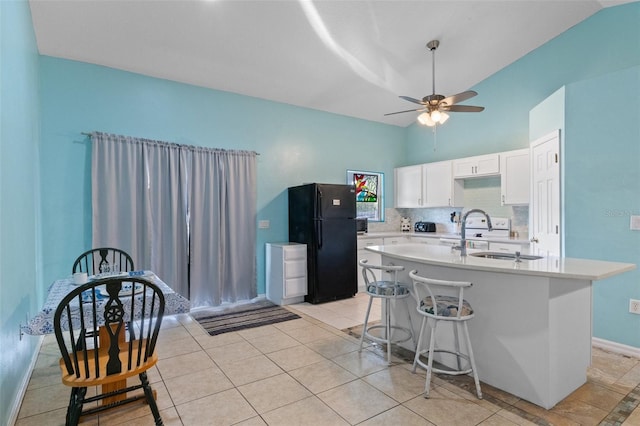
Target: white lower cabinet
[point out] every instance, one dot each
(425, 240)
(286, 274)
(372, 258)
(505, 247)
(402, 239)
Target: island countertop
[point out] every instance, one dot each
(559, 267)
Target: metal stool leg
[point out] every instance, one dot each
(419, 345)
(432, 341)
(387, 308)
(366, 321)
(413, 336)
(472, 360)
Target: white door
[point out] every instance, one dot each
(545, 230)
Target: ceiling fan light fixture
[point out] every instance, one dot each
(425, 119)
(432, 118)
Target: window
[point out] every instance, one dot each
(369, 194)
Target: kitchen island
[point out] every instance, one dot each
(531, 334)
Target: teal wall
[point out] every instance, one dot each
(296, 145)
(20, 285)
(602, 191)
(598, 63)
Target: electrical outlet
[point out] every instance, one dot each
(634, 306)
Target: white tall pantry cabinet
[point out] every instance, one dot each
(286, 272)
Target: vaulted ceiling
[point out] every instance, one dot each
(346, 57)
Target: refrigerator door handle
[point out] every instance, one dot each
(319, 232)
(318, 206)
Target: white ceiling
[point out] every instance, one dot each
(346, 57)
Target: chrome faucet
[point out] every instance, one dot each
(463, 237)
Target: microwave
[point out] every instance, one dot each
(362, 225)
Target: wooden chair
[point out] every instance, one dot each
(92, 260)
(127, 313)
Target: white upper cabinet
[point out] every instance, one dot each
(427, 185)
(481, 165)
(440, 188)
(408, 186)
(514, 177)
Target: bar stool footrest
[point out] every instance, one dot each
(449, 372)
(377, 339)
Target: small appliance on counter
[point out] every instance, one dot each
(362, 225)
(405, 224)
(425, 227)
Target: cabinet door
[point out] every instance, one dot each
(397, 240)
(481, 165)
(464, 167)
(295, 287)
(488, 165)
(514, 177)
(425, 240)
(440, 188)
(505, 247)
(408, 186)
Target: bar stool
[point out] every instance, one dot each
(386, 290)
(453, 309)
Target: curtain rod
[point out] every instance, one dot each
(91, 134)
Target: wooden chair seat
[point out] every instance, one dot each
(89, 377)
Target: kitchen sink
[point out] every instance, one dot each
(503, 256)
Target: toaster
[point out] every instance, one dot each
(425, 227)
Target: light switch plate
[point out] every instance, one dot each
(263, 224)
(635, 223)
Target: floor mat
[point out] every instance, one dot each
(242, 317)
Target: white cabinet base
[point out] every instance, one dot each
(286, 273)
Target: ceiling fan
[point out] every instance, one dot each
(434, 106)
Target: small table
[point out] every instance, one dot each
(42, 323)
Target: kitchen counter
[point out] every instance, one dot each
(438, 235)
(558, 267)
(532, 329)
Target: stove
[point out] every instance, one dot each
(476, 227)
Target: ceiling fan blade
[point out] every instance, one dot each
(409, 110)
(461, 108)
(414, 100)
(454, 99)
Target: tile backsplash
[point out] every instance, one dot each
(482, 193)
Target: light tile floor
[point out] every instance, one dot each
(309, 372)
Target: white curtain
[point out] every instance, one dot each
(222, 226)
(186, 213)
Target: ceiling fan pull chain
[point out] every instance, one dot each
(435, 138)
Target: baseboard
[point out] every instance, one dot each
(618, 348)
(22, 389)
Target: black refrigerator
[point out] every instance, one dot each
(322, 216)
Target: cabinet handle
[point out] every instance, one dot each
(503, 200)
(534, 240)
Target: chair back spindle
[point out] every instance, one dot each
(92, 260)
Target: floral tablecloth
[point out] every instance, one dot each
(42, 323)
